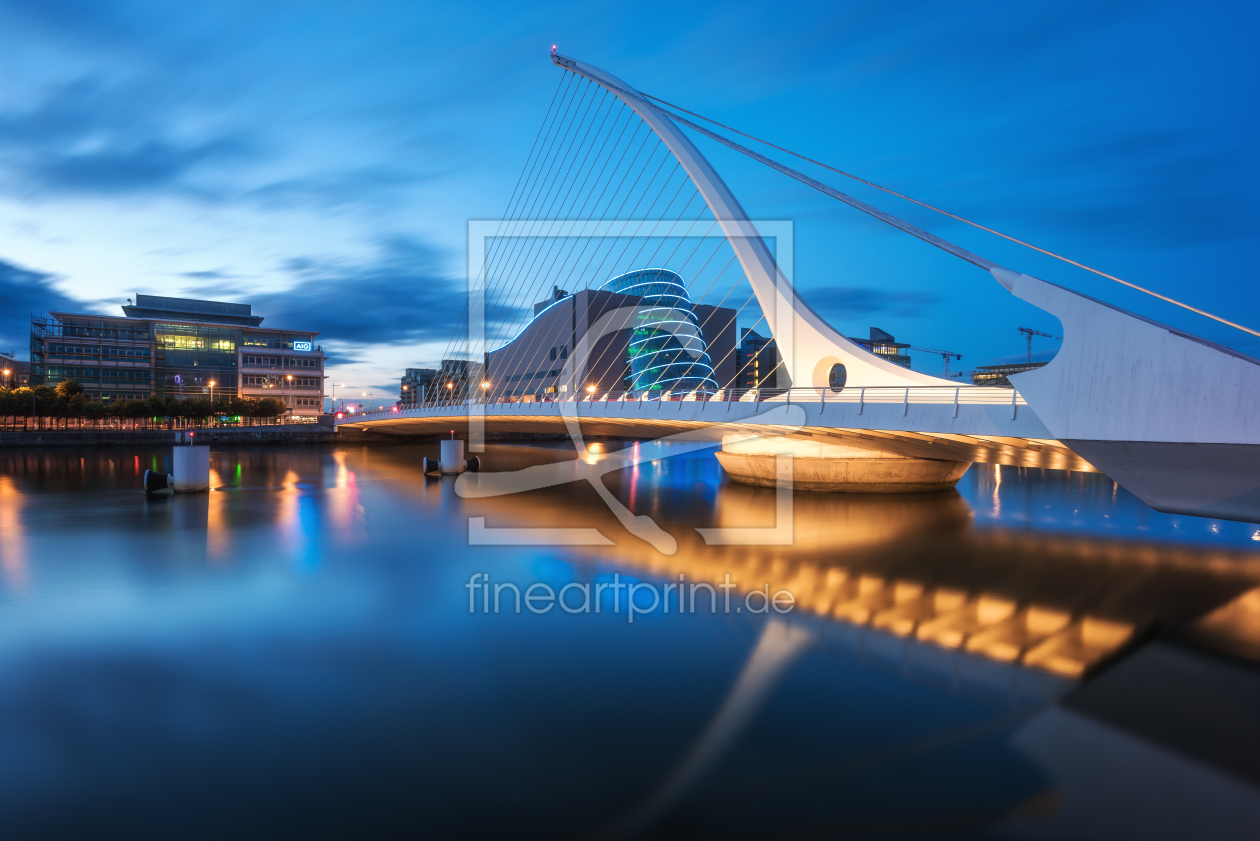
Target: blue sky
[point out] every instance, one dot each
(321, 161)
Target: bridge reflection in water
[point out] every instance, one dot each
(911, 577)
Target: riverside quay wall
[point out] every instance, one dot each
(314, 434)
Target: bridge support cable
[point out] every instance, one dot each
(913, 230)
(525, 177)
(592, 175)
(566, 160)
(518, 287)
(922, 204)
(528, 349)
(533, 257)
(530, 196)
(665, 184)
(532, 275)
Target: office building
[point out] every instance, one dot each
(638, 332)
(886, 347)
(997, 374)
(179, 347)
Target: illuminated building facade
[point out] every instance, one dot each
(886, 347)
(638, 332)
(997, 374)
(179, 347)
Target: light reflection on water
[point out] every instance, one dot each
(301, 635)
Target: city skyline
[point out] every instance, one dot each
(145, 154)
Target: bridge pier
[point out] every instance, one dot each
(819, 466)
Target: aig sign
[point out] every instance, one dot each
(301, 345)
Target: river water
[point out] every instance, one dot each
(308, 651)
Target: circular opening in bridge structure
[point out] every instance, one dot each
(838, 377)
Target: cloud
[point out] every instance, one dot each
(209, 274)
(400, 297)
(23, 293)
(333, 188)
(90, 137)
(857, 301)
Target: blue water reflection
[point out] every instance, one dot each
(292, 654)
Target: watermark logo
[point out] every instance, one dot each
(638, 597)
(709, 421)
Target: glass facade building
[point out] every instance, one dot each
(178, 347)
(667, 351)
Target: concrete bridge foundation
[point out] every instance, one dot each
(818, 466)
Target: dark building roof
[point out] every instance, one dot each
(191, 309)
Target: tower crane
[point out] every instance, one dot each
(945, 354)
(1030, 333)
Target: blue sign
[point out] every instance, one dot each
(301, 345)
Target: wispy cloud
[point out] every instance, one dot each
(401, 296)
(856, 301)
(94, 137)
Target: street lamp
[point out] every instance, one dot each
(289, 397)
(6, 377)
(212, 392)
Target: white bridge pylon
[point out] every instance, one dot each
(809, 346)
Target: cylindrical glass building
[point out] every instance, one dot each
(667, 350)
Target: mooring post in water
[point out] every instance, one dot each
(190, 464)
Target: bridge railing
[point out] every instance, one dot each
(961, 395)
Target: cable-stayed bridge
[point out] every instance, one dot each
(613, 187)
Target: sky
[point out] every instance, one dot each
(321, 161)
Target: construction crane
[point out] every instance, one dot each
(945, 354)
(1030, 333)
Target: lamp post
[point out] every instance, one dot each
(212, 393)
(6, 377)
(289, 397)
(485, 390)
(450, 394)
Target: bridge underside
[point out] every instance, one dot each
(1017, 452)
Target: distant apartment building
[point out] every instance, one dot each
(759, 362)
(179, 347)
(885, 346)
(416, 387)
(14, 372)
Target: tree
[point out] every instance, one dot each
(267, 407)
(68, 388)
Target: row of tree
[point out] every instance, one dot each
(68, 401)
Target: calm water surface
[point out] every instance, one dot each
(293, 655)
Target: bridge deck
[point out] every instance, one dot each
(986, 425)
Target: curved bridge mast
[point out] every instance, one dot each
(808, 344)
